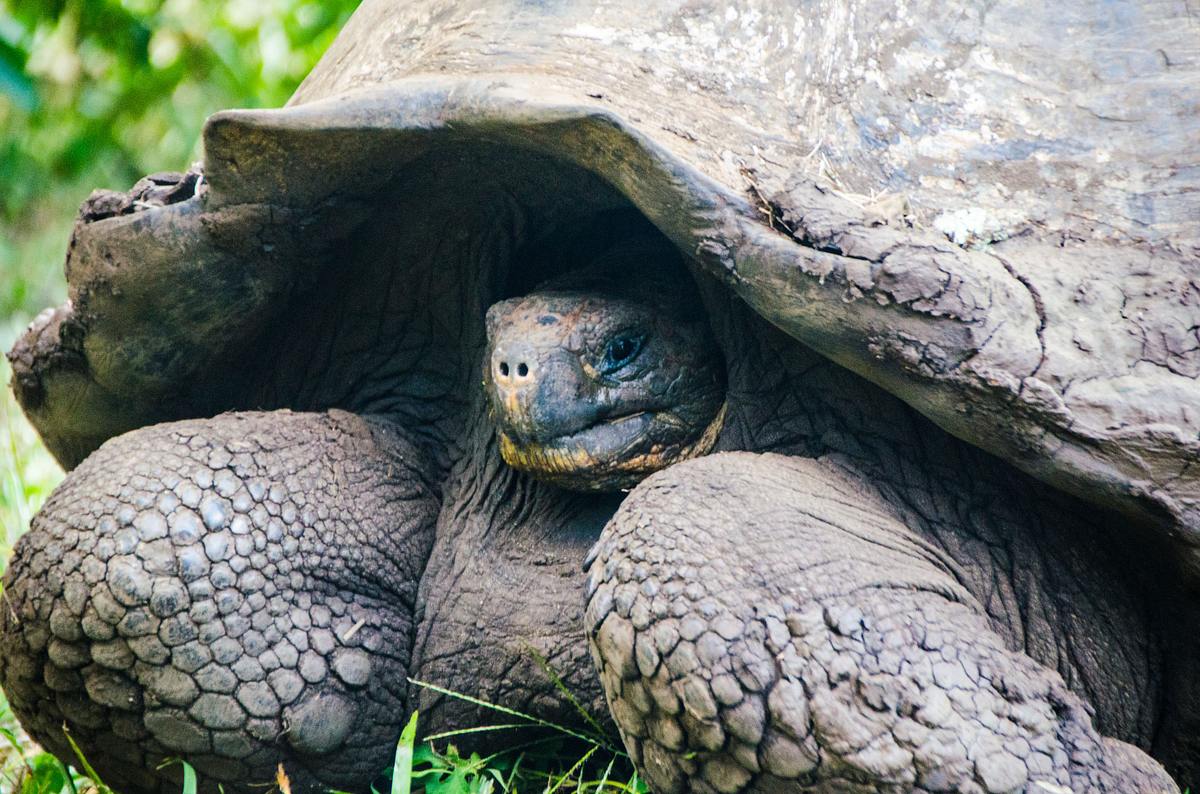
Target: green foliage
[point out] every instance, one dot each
(549, 768)
(27, 472)
(26, 770)
(551, 764)
(43, 774)
(97, 93)
(120, 87)
(449, 773)
(557, 758)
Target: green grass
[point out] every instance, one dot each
(561, 760)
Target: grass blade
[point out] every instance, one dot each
(607, 772)
(83, 762)
(402, 767)
(556, 679)
(189, 778)
(479, 729)
(567, 775)
(600, 741)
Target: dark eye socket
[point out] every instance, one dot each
(620, 351)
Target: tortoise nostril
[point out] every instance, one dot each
(513, 365)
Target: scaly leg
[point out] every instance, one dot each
(765, 623)
(236, 591)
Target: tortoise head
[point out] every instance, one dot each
(601, 378)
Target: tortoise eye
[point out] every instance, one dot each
(620, 351)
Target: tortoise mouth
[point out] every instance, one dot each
(583, 455)
(600, 439)
(615, 453)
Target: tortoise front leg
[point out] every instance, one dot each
(236, 591)
(764, 623)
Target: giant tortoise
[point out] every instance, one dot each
(812, 386)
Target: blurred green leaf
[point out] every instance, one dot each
(112, 89)
(48, 776)
(14, 83)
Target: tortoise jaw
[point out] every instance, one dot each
(576, 459)
(596, 459)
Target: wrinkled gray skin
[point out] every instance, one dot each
(841, 597)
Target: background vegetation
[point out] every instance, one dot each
(97, 93)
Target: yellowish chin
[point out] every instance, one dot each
(559, 463)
